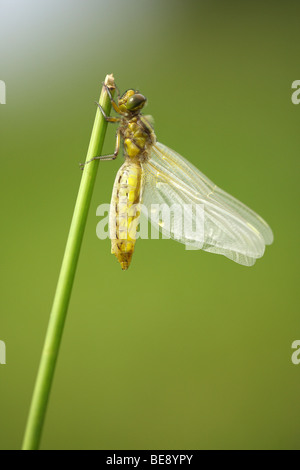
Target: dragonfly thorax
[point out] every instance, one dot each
(137, 139)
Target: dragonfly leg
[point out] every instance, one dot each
(114, 104)
(118, 91)
(107, 118)
(112, 156)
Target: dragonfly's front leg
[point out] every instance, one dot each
(116, 87)
(107, 118)
(114, 104)
(112, 156)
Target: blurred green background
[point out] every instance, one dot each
(186, 350)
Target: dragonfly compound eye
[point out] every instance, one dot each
(135, 102)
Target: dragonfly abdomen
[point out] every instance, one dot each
(125, 211)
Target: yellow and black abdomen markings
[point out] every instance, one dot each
(125, 211)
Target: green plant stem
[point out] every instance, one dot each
(65, 281)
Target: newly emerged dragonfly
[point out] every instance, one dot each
(155, 174)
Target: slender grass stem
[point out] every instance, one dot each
(54, 333)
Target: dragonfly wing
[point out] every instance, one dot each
(229, 227)
(198, 181)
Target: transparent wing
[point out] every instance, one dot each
(229, 227)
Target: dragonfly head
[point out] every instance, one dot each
(132, 101)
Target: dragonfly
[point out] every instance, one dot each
(153, 174)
